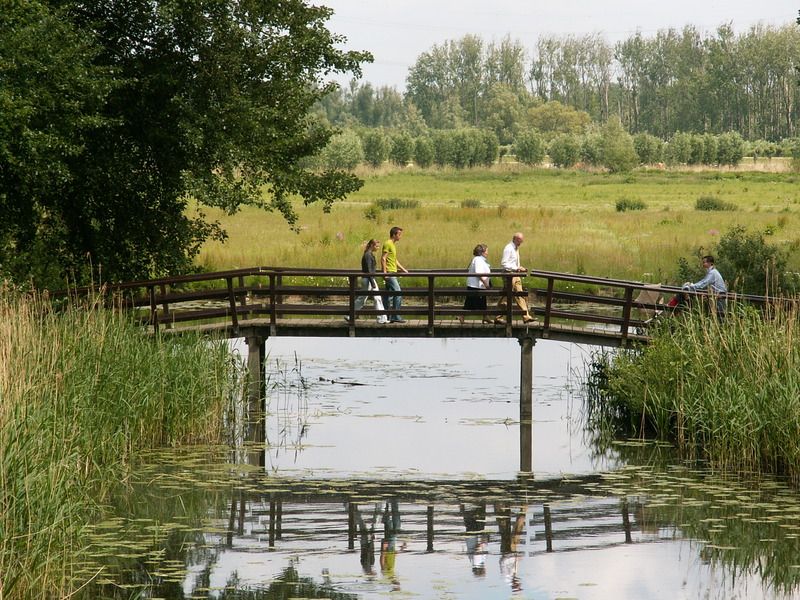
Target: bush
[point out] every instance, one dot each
(679, 149)
(750, 265)
(529, 147)
(710, 149)
(402, 149)
(713, 203)
(747, 262)
(618, 153)
(649, 148)
(730, 148)
(592, 148)
(372, 213)
(471, 203)
(396, 203)
(564, 150)
(423, 152)
(344, 151)
(624, 204)
(376, 147)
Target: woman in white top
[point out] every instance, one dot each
(478, 280)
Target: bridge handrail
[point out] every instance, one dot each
(237, 291)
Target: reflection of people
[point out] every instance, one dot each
(391, 528)
(713, 282)
(477, 537)
(390, 264)
(477, 281)
(367, 537)
(510, 533)
(368, 280)
(510, 263)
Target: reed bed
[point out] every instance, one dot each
(726, 391)
(82, 391)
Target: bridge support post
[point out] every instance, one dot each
(256, 391)
(526, 404)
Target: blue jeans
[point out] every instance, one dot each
(393, 301)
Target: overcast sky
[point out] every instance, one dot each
(398, 31)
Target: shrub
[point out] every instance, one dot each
(649, 148)
(396, 203)
(747, 262)
(710, 149)
(471, 203)
(402, 149)
(730, 148)
(713, 203)
(679, 149)
(592, 148)
(376, 147)
(624, 204)
(618, 153)
(423, 152)
(529, 147)
(372, 213)
(564, 150)
(344, 151)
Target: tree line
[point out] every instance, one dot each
(676, 80)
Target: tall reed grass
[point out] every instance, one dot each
(82, 390)
(727, 391)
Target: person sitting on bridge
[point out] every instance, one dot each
(510, 263)
(713, 282)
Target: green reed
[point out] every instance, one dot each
(82, 391)
(726, 391)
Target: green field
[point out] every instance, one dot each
(569, 218)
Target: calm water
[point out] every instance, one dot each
(392, 471)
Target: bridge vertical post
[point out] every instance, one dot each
(255, 434)
(526, 404)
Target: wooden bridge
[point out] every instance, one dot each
(262, 302)
(272, 301)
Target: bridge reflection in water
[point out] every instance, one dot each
(510, 520)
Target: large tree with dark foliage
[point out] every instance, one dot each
(114, 112)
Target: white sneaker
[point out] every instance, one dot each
(383, 320)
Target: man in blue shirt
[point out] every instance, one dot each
(712, 282)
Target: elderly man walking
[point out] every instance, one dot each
(510, 263)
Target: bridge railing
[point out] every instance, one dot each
(430, 297)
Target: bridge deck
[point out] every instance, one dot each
(413, 328)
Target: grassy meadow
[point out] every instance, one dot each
(569, 218)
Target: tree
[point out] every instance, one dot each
(168, 99)
(553, 118)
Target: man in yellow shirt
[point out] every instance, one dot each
(390, 264)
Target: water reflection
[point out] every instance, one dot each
(638, 532)
(408, 485)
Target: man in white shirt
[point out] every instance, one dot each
(510, 262)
